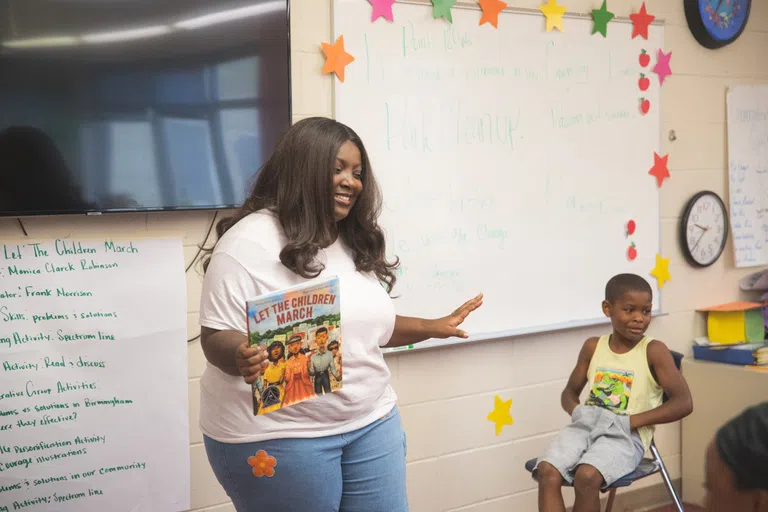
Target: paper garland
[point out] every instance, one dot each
(552, 11)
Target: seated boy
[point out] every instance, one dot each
(628, 374)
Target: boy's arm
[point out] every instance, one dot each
(569, 399)
(679, 403)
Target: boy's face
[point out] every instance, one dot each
(630, 314)
(321, 339)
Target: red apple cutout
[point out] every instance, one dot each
(645, 105)
(631, 227)
(632, 252)
(643, 83)
(644, 58)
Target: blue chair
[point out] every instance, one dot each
(647, 467)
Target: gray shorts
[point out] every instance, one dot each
(599, 438)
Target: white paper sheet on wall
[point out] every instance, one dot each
(93, 376)
(748, 173)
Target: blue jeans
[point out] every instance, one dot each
(361, 471)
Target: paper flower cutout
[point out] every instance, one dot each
(659, 169)
(336, 58)
(382, 9)
(640, 22)
(661, 271)
(554, 14)
(262, 464)
(491, 10)
(662, 66)
(500, 414)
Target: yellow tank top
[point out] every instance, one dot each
(623, 383)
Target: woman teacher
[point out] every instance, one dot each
(312, 213)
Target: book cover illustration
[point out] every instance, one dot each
(301, 328)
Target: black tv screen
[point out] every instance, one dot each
(136, 105)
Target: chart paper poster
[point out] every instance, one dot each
(748, 173)
(93, 376)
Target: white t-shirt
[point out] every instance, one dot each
(246, 264)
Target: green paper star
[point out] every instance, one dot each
(442, 9)
(602, 16)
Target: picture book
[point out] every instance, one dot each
(301, 328)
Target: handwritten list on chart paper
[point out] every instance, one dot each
(748, 173)
(93, 376)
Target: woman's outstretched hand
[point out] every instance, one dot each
(448, 326)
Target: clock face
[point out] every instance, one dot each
(716, 23)
(706, 229)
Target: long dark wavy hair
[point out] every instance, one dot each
(297, 184)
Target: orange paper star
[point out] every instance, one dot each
(336, 58)
(491, 10)
(659, 169)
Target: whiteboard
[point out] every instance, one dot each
(510, 160)
(748, 173)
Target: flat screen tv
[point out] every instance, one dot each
(138, 105)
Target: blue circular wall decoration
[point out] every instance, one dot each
(716, 23)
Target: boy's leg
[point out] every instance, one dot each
(587, 483)
(550, 482)
(564, 453)
(613, 453)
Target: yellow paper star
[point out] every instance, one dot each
(500, 413)
(554, 14)
(661, 271)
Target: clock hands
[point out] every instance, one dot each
(699, 240)
(704, 232)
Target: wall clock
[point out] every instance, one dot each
(716, 23)
(703, 229)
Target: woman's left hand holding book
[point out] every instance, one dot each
(251, 361)
(229, 352)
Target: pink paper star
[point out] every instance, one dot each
(382, 8)
(662, 66)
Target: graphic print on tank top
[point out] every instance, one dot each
(611, 390)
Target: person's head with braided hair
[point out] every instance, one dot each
(737, 464)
